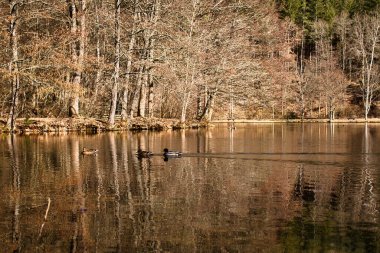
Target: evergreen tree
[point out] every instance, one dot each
(364, 6)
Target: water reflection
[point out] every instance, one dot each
(256, 188)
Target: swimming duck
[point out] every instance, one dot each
(168, 153)
(143, 154)
(89, 151)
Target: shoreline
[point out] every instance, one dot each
(93, 125)
(358, 120)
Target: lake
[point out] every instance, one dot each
(259, 188)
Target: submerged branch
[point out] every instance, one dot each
(45, 218)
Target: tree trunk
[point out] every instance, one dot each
(143, 93)
(77, 56)
(199, 102)
(143, 80)
(185, 103)
(150, 82)
(134, 104)
(124, 97)
(190, 68)
(13, 65)
(82, 39)
(331, 109)
(302, 98)
(150, 96)
(136, 95)
(98, 58)
(147, 86)
(208, 110)
(367, 102)
(111, 119)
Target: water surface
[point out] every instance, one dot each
(259, 188)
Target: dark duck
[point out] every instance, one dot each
(143, 154)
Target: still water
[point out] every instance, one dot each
(259, 188)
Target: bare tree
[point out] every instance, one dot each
(127, 80)
(366, 31)
(13, 65)
(78, 33)
(342, 24)
(111, 118)
(151, 18)
(177, 59)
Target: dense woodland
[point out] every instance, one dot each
(192, 59)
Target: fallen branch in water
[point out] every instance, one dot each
(47, 209)
(45, 217)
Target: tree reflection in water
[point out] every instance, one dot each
(263, 188)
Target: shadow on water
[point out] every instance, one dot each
(259, 188)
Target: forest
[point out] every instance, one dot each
(189, 60)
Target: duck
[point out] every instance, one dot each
(143, 154)
(89, 151)
(168, 153)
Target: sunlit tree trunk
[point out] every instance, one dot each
(13, 65)
(300, 72)
(152, 43)
(82, 40)
(143, 93)
(136, 95)
(209, 106)
(302, 105)
(124, 97)
(343, 23)
(190, 68)
(331, 108)
(111, 119)
(143, 80)
(150, 96)
(150, 83)
(199, 102)
(147, 84)
(98, 54)
(77, 53)
(189, 81)
(185, 103)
